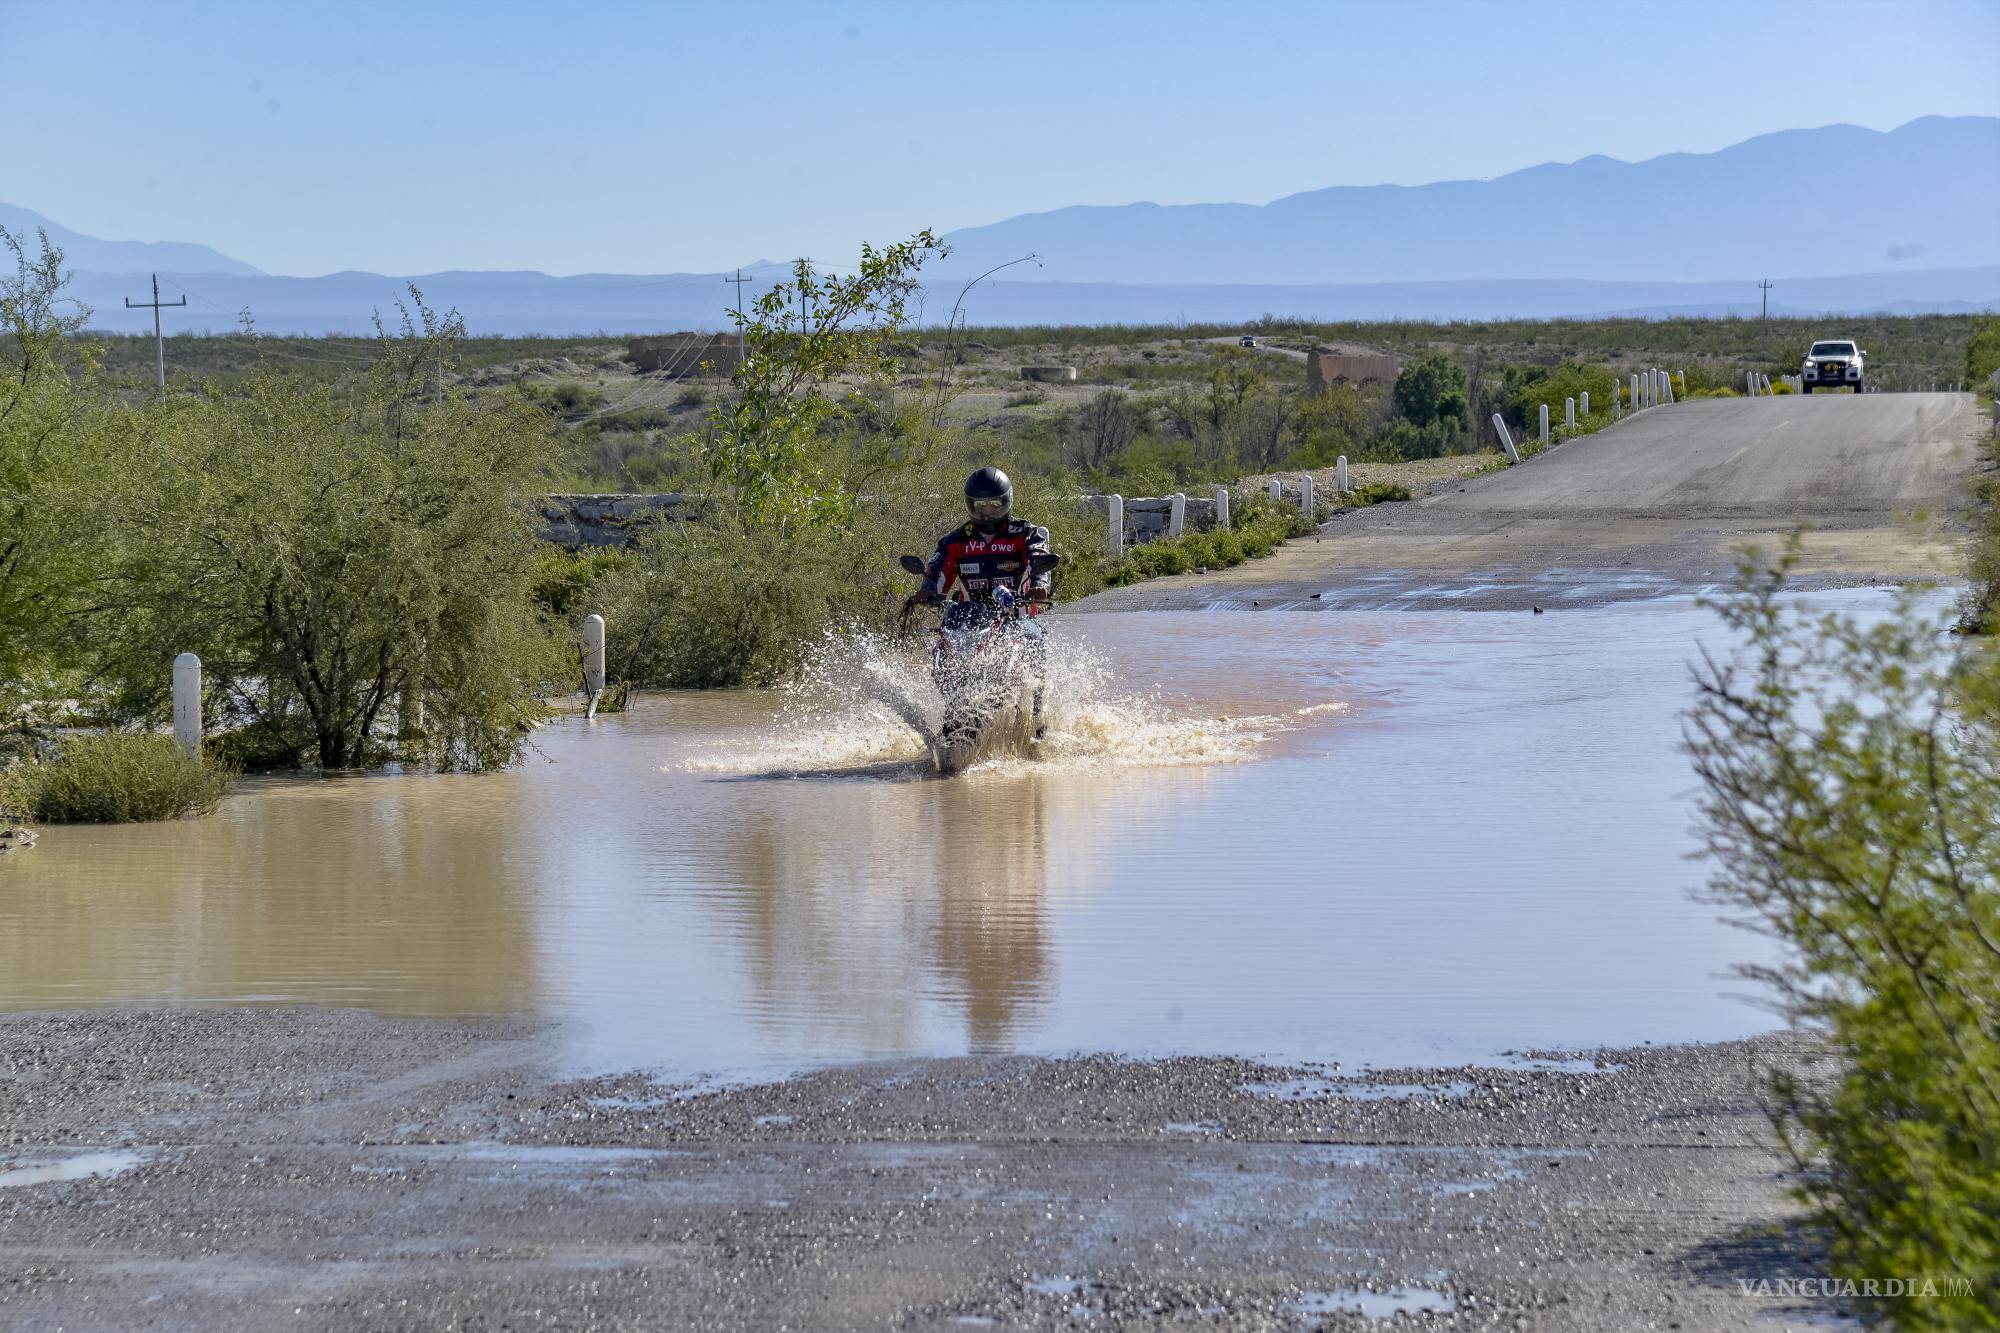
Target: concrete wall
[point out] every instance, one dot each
(1049, 374)
(685, 353)
(1146, 515)
(1325, 369)
(580, 522)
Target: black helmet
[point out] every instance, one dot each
(989, 495)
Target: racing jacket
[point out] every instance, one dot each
(981, 561)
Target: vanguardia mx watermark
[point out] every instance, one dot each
(1851, 1288)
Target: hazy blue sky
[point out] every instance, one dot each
(405, 138)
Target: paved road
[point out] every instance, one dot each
(1236, 340)
(1657, 503)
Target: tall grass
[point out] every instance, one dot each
(112, 778)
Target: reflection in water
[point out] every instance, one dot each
(323, 890)
(1485, 849)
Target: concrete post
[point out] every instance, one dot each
(593, 661)
(1340, 474)
(187, 703)
(1176, 515)
(1506, 439)
(1545, 423)
(1583, 404)
(1569, 413)
(1114, 529)
(1667, 378)
(1750, 383)
(1615, 411)
(1636, 404)
(1306, 496)
(1277, 491)
(1222, 507)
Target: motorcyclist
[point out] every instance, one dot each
(990, 550)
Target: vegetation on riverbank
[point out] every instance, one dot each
(111, 778)
(1852, 810)
(1256, 530)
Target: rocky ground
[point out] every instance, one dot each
(312, 1168)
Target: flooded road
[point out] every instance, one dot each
(1390, 838)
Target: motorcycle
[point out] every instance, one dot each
(987, 661)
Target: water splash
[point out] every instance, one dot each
(865, 703)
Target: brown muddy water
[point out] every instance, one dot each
(1390, 838)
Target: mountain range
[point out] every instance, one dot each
(1897, 221)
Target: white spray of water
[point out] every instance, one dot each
(865, 702)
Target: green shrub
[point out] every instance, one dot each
(1258, 529)
(1982, 352)
(1401, 442)
(1378, 492)
(1852, 809)
(1431, 391)
(113, 778)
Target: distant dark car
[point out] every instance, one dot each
(1246, 341)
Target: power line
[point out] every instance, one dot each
(742, 321)
(159, 339)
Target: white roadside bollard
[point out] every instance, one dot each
(187, 703)
(1222, 507)
(1506, 439)
(1277, 491)
(1176, 515)
(1636, 404)
(1750, 383)
(1615, 411)
(1306, 496)
(1670, 385)
(1340, 474)
(1569, 413)
(1545, 423)
(1114, 528)
(593, 661)
(1583, 404)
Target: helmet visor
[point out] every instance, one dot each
(989, 511)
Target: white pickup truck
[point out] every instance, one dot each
(1829, 365)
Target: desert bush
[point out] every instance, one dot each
(1401, 441)
(1851, 806)
(112, 778)
(1431, 391)
(1259, 528)
(52, 432)
(1378, 492)
(328, 552)
(1982, 353)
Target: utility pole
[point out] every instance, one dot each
(741, 321)
(805, 311)
(1765, 287)
(159, 340)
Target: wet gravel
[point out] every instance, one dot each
(317, 1168)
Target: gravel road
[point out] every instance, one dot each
(317, 1168)
(1656, 503)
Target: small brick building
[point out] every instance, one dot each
(1326, 368)
(688, 354)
